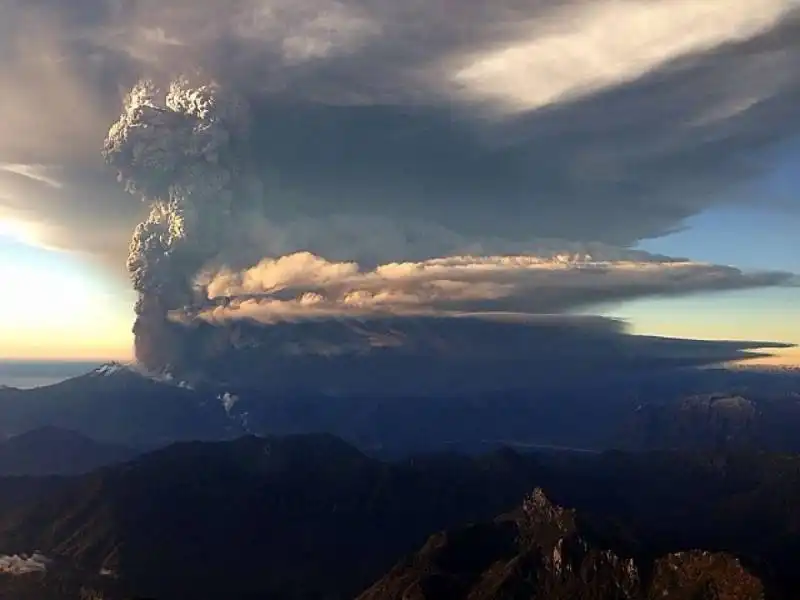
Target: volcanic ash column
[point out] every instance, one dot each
(177, 150)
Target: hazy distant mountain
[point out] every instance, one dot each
(121, 405)
(118, 404)
(53, 451)
(22, 374)
(715, 422)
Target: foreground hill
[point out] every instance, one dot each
(295, 517)
(54, 451)
(537, 551)
(312, 517)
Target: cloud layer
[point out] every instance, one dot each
(503, 120)
(302, 285)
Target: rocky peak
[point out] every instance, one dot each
(552, 560)
(538, 511)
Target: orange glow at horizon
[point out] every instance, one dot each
(779, 357)
(66, 346)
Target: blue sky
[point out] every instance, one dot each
(749, 238)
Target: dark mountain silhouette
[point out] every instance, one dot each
(537, 551)
(54, 451)
(312, 517)
(298, 517)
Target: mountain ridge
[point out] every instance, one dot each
(121, 404)
(204, 518)
(51, 450)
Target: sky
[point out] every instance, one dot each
(716, 236)
(90, 321)
(409, 149)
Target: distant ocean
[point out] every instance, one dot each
(35, 373)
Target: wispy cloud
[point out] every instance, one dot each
(579, 48)
(37, 173)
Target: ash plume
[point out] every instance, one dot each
(215, 275)
(178, 150)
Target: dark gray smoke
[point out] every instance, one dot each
(179, 150)
(184, 151)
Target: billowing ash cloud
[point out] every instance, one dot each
(488, 118)
(185, 152)
(363, 157)
(177, 151)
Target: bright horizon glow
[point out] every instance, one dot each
(778, 357)
(752, 315)
(65, 346)
(16, 229)
(55, 307)
(781, 358)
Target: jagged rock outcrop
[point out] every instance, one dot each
(538, 551)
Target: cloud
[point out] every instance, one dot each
(22, 564)
(313, 32)
(375, 240)
(301, 286)
(424, 355)
(69, 208)
(501, 121)
(36, 173)
(441, 156)
(569, 52)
